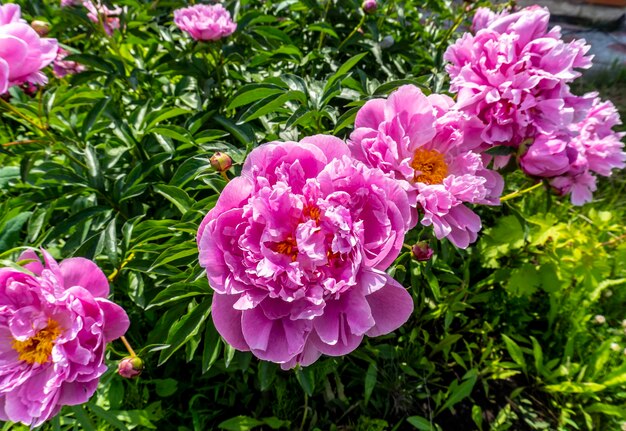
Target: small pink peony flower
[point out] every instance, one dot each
(22, 52)
(54, 326)
(296, 249)
(64, 67)
(205, 22)
(69, 3)
(547, 156)
(99, 13)
(513, 75)
(422, 142)
(593, 149)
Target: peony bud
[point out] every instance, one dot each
(41, 27)
(387, 42)
(369, 6)
(130, 367)
(422, 251)
(221, 162)
(599, 319)
(615, 347)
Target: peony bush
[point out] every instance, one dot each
(307, 215)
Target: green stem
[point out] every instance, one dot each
(345, 41)
(520, 192)
(306, 411)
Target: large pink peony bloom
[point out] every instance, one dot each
(296, 249)
(513, 75)
(22, 52)
(428, 147)
(204, 22)
(98, 12)
(55, 322)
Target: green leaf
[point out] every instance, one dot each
(515, 351)
(421, 423)
(306, 379)
(93, 115)
(10, 232)
(501, 150)
(175, 195)
(253, 92)
(461, 391)
(174, 132)
(83, 418)
(157, 117)
(575, 387)
(107, 417)
(370, 382)
(187, 327)
(211, 348)
(177, 291)
(240, 423)
(271, 104)
(343, 71)
(165, 387)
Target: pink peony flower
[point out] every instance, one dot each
(22, 52)
(204, 22)
(296, 249)
(593, 149)
(64, 67)
(421, 142)
(513, 75)
(547, 156)
(99, 13)
(68, 3)
(54, 326)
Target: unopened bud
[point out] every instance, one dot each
(422, 251)
(369, 6)
(41, 27)
(387, 42)
(599, 319)
(615, 347)
(130, 367)
(221, 162)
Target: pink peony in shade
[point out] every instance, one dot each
(64, 67)
(296, 249)
(54, 326)
(593, 148)
(205, 22)
(428, 147)
(513, 75)
(98, 12)
(23, 53)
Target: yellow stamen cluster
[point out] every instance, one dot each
(288, 247)
(430, 167)
(38, 349)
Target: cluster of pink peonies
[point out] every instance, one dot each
(205, 22)
(296, 248)
(54, 326)
(99, 13)
(513, 75)
(63, 67)
(23, 53)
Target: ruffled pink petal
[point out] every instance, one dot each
(227, 320)
(78, 271)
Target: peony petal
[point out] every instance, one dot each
(391, 307)
(227, 320)
(78, 271)
(116, 320)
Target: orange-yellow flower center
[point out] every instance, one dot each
(430, 167)
(288, 247)
(312, 212)
(38, 349)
